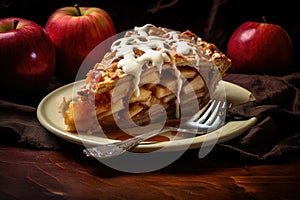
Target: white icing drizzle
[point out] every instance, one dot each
(156, 52)
(183, 48)
(133, 66)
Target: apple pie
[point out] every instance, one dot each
(147, 66)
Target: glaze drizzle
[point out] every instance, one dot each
(157, 49)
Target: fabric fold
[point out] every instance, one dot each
(277, 132)
(19, 122)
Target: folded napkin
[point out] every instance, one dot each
(19, 123)
(275, 136)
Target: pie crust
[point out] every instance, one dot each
(148, 66)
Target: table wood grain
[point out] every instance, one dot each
(40, 174)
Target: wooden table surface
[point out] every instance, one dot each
(40, 174)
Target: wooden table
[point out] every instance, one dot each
(40, 174)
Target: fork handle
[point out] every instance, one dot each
(117, 148)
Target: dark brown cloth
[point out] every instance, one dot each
(19, 123)
(275, 136)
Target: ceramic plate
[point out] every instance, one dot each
(49, 116)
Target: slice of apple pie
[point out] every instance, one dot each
(150, 65)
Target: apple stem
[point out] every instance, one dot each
(264, 19)
(16, 22)
(78, 10)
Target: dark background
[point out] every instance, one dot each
(212, 20)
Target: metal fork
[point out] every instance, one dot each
(205, 120)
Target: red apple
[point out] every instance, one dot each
(260, 48)
(27, 56)
(75, 32)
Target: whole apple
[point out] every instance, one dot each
(75, 31)
(260, 48)
(27, 56)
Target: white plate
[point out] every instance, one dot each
(52, 120)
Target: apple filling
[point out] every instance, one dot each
(148, 66)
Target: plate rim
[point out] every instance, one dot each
(174, 145)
